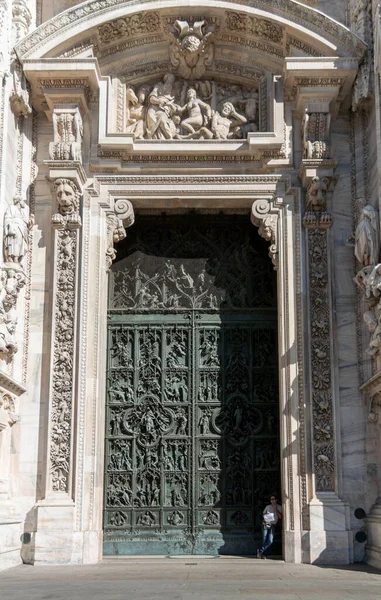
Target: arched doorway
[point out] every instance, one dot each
(192, 426)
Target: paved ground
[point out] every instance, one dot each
(191, 578)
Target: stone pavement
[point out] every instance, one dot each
(190, 578)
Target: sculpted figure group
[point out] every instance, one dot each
(367, 250)
(173, 109)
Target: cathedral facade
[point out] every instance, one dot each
(190, 312)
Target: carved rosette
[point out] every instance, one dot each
(317, 221)
(264, 217)
(67, 224)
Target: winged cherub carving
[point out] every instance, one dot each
(191, 49)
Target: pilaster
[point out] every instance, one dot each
(317, 100)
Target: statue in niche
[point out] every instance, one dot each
(17, 224)
(227, 125)
(191, 49)
(136, 111)
(367, 237)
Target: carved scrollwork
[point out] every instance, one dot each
(117, 223)
(262, 217)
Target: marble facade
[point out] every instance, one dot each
(111, 109)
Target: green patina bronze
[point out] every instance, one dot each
(192, 438)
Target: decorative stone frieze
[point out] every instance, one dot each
(263, 28)
(191, 49)
(124, 27)
(68, 133)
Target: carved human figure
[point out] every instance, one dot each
(17, 224)
(136, 111)
(367, 237)
(67, 196)
(161, 110)
(227, 124)
(204, 422)
(198, 114)
(374, 327)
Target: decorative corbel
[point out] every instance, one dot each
(267, 222)
(117, 223)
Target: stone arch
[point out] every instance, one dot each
(284, 26)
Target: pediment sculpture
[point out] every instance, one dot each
(173, 109)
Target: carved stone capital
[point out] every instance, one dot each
(117, 223)
(265, 217)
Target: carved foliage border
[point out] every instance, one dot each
(63, 358)
(321, 360)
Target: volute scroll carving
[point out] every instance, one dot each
(263, 217)
(117, 223)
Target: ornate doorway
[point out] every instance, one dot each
(192, 438)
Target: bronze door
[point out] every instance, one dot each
(192, 439)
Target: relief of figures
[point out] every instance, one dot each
(175, 455)
(209, 494)
(120, 456)
(120, 389)
(209, 390)
(208, 455)
(174, 109)
(209, 348)
(176, 388)
(176, 490)
(119, 491)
